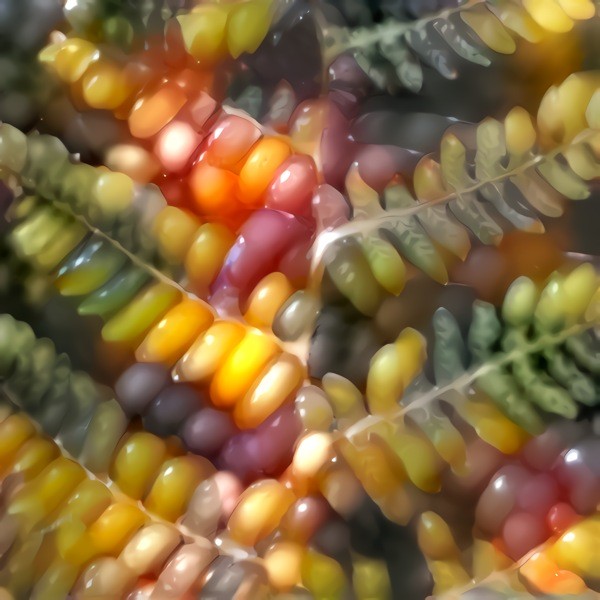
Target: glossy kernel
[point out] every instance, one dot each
(578, 549)
(47, 491)
(545, 576)
(141, 313)
(210, 351)
(88, 501)
(435, 538)
(175, 145)
(152, 112)
(175, 484)
(207, 253)
(392, 369)
(105, 86)
(14, 432)
(231, 139)
(314, 410)
(115, 527)
(259, 510)
(175, 230)
(104, 577)
(73, 59)
(293, 185)
(312, 453)
(283, 561)
(137, 463)
(214, 190)
(269, 295)
(175, 332)
(241, 368)
(183, 570)
(33, 456)
(149, 548)
(260, 167)
(96, 263)
(270, 392)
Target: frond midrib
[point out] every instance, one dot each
(470, 376)
(360, 225)
(363, 37)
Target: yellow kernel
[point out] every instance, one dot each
(578, 549)
(141, 313)
(312, 453)
(206, 255)
(33, 456)
(175, 230)
(322, 576)
(391, 370)
(259, 511)
(435, 539)
(137, 463)
(283, 561)
(203, 31)
(47, 491)
(73, 58)
(175, 484)
(113, 192)
(210, 351)
(247, 26)
(104, 86)
(115, 527)
(549, 15)
(15, 430)
(88, 501)
(241, 368)
(279, 382)
(152, 112)
(149, 548)
(266, 299)
(260, 166)
(172, 336)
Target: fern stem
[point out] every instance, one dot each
(353, 227)
(299, 347)
(364, 37)
(152, 270)
(469, 377)
(232, 548)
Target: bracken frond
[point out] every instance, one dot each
(393, 52)
(486, 179)
(506, 378)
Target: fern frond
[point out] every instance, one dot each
(55, 190)
(87, 264)
(67, 404)
(149, 313)
(41, 382)
(91, 436)
(453, 570)
(505, 379)
(104, 201)
(490, 177)
(485, 571)
(392, 53)
(95, 440)
(122, 24)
